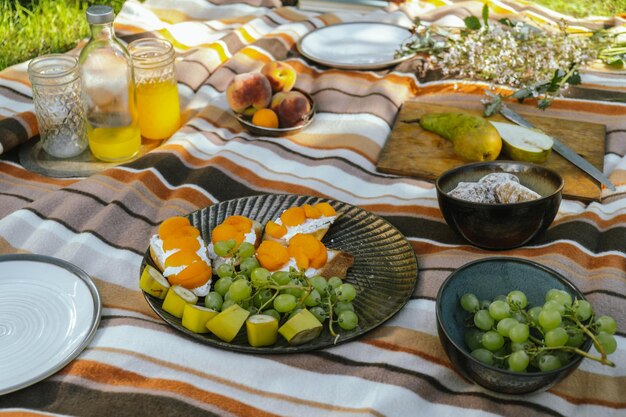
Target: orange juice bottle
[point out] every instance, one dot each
(108, 90)
(113, 143)
(157, 95)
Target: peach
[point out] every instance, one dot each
(276, 99)
(293, 109)
(248, 92)
(282, 76)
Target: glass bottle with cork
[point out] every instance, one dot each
(108, 90)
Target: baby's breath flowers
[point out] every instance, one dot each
(537, 63)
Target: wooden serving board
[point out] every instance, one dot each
(413, 151)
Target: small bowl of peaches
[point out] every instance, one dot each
(266, 103)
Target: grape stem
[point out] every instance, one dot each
(330, 319)
(603, 359)
(278, 288)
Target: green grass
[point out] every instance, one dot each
(584, 8)
(29, 28)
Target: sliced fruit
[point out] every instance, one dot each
(176, 299)
(172, 225)
(311, 212)
(195, 317)
(153, 282)
(262, 330)
(275, 230)
(193, 276)
(301, 328)
(227, 324)
(522, 144)
(272, 255)
(326, 209)
(293, 216)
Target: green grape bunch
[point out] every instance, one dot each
(280, 294)
(508, 333)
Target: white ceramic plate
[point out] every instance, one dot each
(49, 312)
(357, 45)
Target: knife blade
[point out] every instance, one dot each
(562, 149)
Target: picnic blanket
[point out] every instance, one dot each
(138, 365)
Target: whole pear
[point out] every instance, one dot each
(473, 137)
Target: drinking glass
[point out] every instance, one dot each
(56, 87)
(157, 95)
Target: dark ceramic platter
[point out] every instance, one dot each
(384, 270)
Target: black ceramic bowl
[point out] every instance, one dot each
(488, 278)
(500, 226)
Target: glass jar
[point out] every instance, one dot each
(56, 86)
(108, 90)
(157, 94)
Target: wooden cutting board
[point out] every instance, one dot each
(413, 151)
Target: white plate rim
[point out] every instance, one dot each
(344, 65)
(93, 326)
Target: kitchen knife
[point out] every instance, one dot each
(562, 149)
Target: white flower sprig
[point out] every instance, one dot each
(538, 63)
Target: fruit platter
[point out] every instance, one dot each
(266, 103)
(277, 291)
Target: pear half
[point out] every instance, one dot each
(523, 144)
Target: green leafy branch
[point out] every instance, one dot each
(536, 63)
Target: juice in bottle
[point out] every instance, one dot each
(115, 143)
(108, 90)
(159, 109)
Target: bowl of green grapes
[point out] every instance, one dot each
(516, 327)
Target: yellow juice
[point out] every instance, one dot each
(159, 109)
(114, 143)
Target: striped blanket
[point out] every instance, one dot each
(137, 365)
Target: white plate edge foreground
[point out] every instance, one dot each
(345, 65)
(90, 330)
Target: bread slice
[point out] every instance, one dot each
(155, 258)
(338, 264)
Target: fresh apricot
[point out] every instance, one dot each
(172, 225)
(241, 223)
(321, 258)
(307, 242)
(307, 251)
(182, 257)
(195, 275)
(275, 230)
(272, 255)
(226, 232)
(188, 231)
(265, 118)
(233, 227)
(326, 209)
(299, 255)
(181, 242)
(311, 212)
(293, 216)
